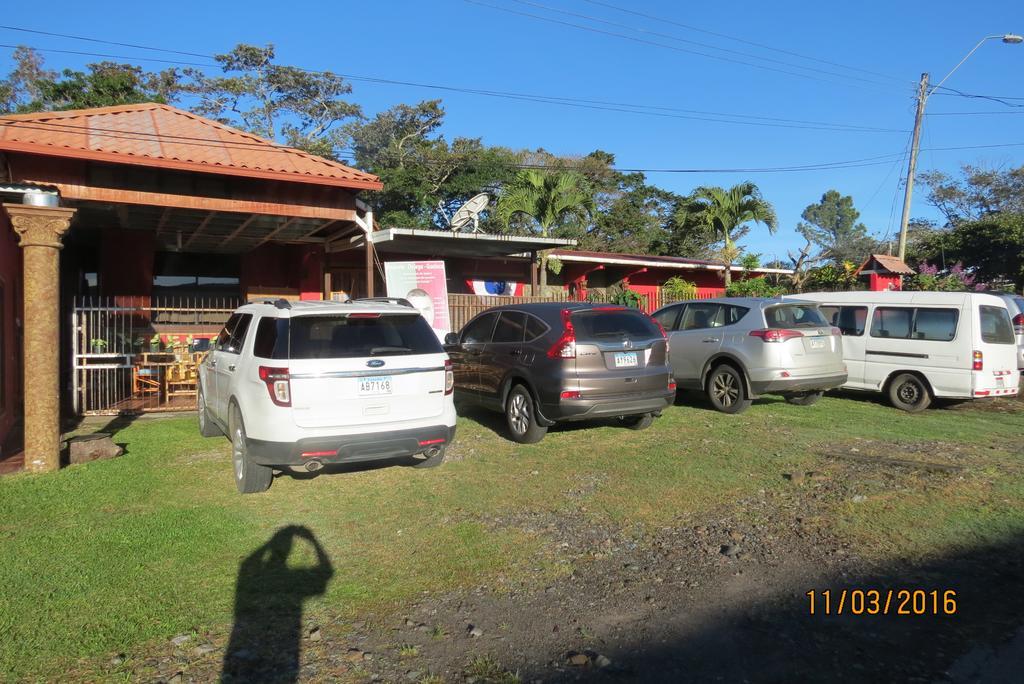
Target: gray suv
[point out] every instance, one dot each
(545, 363)
(736, 348)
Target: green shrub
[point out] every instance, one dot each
(753, 287)
(676, 288)
(622, 296)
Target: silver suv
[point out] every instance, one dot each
(735, 349)
(1015, 303)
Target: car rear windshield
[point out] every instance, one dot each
(995, 326)
(794, 316)
(344, 337)
(613, 324)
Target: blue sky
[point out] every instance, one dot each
(459, 43)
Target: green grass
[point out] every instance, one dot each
(114, 555)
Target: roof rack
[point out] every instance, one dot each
(386, 300)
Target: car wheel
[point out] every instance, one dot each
(430, 461)
(909, 393)
(250, 477)
(726, 391)
(207, 428)
(804, 398)
(521, 418)
(641, 422)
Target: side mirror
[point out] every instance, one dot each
(451, 339)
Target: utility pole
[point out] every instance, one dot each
(922, 98)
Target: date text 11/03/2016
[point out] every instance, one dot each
(882, 602)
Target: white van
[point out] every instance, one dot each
(918, 346)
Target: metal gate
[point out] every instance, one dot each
(135, 354)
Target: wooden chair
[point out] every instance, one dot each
(145, 380)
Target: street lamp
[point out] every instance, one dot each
(923, 92)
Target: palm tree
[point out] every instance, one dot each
(549, 200)
(728, 212)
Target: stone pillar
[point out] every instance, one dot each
(40, 230)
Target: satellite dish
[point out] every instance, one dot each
(470, 213)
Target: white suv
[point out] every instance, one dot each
(303, 384)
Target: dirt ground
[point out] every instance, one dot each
(723, 598)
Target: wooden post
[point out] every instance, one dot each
(327, 284)
(533, 273)
(908, 191)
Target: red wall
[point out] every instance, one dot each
(10, 335)
(296, 268)
(126, 262)
(881, 283)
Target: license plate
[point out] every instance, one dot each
(379, 384)
(625, 360)
(817, 342)
(1000, 382)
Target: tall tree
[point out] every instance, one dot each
(729, 214)
(831, 224)
(32, 88)
(425, 177)
(991, 248)
(302, 108)
(20, 89)
(547, 201)
(977, 193)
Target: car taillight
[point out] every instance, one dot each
(364, 315)
(570, 394)
(278, 384)
(837, 331)
(449, 377)
(671, 385)
(663, 333)
(1018, 324)
(978, 360)
(565, 347)
(776, 334)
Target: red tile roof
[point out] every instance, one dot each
(159, 135)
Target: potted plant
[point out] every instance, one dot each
(99, 346)
(154, 343)
(140, 344)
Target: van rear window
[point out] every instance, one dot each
(598, 325)
(343, 337)
(995, 325)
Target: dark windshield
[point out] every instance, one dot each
(613, 324)
(794, 316)
(343, 337)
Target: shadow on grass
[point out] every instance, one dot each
(269, 596)
(979, 637)
(495, 422)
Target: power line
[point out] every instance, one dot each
(598, 105)
(690, 42)
(690, 27)
(189, 140)
(999, 111)
(142, 136)
(662, 45)
(1004, 100)
(97, 40)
